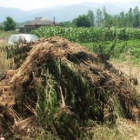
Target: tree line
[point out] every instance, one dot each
(103, 19)
(99, 19)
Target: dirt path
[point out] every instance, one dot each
(131, 70)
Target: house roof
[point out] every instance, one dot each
(41, 21)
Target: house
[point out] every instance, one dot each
(39, 22)
(21, 28)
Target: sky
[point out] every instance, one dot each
(37, 4)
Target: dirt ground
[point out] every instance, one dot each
(131, 70)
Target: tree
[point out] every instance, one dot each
(120, 20)
(99, 17)
(9, 24)
(129, 17)
(104, 13)
(67, 24)
(136, 14)
(123, 21)
(107, 18)
(1, 26)
(82, 21)
(91, 17)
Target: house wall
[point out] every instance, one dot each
(29, 28)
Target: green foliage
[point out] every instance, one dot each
(67, 24)
(1, 27)
(89, 34)
(99, 18)
(6, 34)
(107, 18)
(82, 21)
(9, 24)
(103, 19)
(117, 42)
(129, 19)
(91, 17)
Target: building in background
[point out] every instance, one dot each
(39, 22)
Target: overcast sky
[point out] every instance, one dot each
(36, 4)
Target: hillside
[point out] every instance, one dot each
(64, 13)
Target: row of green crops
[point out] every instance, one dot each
(89, 34)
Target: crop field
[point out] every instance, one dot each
(89, 34)
(56, 89)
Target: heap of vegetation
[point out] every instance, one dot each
(59, 90)
(16, 54)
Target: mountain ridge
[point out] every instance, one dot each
(65, 13)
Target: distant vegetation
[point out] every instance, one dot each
(9, 24)
(102, 19)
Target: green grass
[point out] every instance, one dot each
(5, 35)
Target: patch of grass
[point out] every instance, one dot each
(5, 35)
(123, 130)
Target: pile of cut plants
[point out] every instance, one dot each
(59, 89)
